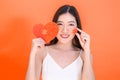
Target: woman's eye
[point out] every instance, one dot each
(71, 24)
(59, 24)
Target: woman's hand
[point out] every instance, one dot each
(84, 40)
(35, 62)
(37, 43)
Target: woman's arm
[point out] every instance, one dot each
(35, 60)
(87, 70)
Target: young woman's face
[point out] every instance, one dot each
(67, 24)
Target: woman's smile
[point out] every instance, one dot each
(64, 36)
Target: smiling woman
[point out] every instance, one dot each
(67, 56)
(101, 22)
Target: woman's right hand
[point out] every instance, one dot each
(37, 43)
(36, 57)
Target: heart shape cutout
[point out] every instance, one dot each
(75, 31)
(47, 32)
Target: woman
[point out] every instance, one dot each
(68, 56)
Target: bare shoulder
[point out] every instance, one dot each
(51, 49)
(82, 54)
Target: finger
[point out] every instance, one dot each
(82, 35)
(38, 42)
(80, 39)
(41, 40)
(81, 31)
(85, 36)
(38, 45)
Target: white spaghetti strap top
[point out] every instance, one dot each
(52, 71)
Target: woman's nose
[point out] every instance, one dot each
(65, 29)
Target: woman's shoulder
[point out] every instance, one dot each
(50, 47)
(79, 51)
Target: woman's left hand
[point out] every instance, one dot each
(84, 40)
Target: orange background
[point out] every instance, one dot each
(100, 18)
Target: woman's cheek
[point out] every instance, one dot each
(58, 34)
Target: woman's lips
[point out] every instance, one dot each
(64, 36)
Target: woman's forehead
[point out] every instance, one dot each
(67, 17)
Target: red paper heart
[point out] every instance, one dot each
(75, 31)
(47, 32)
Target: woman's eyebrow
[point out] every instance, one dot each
(71, 21)
(59, 21)
(68, 22)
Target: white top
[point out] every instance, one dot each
(52, 71)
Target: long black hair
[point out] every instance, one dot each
(72, 10)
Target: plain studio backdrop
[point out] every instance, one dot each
(100, 19)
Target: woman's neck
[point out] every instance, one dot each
(64, 47)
